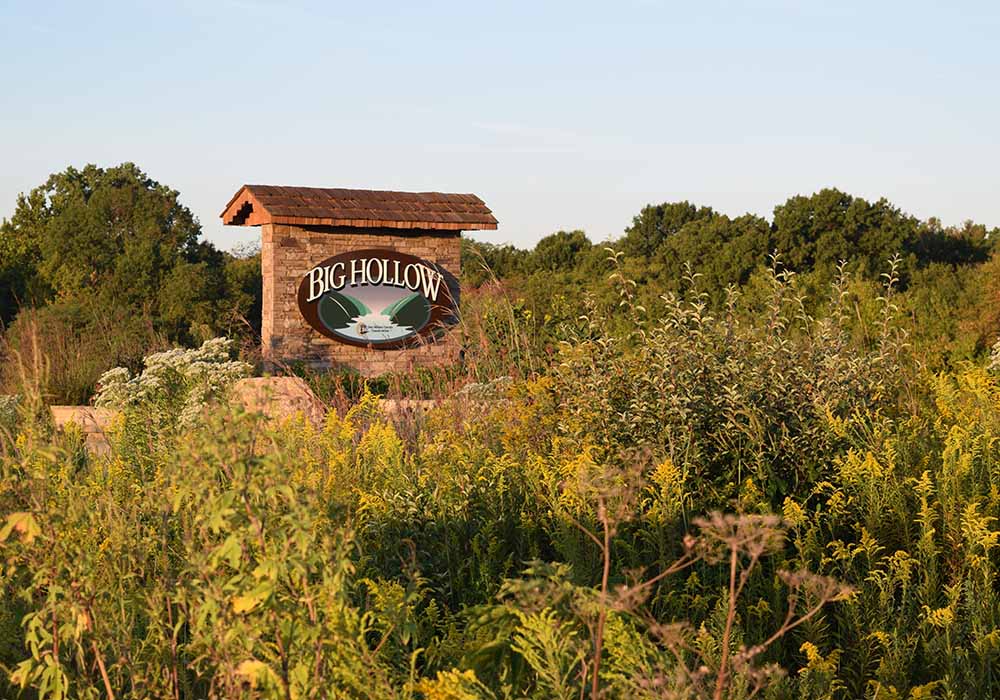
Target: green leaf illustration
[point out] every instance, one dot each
(337, 310)
(413, 310)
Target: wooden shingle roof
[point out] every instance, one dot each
(254, 205)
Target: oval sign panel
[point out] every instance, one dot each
(376, 298)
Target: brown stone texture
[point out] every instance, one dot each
(92, 422)
(278, 398)
(289, 252)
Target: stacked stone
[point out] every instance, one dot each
(288, 253)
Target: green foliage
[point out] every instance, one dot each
(723, 251)
(175, 386)
(815, 233)
(560, 251)
(654, 225)
(482, 261)
(529, 538)
(66, 346)
(946, 274)
(239, 311)
(18, 283)
(114, 231)
(106, 266)
(819, 231)
(727, 401)
(541, 532)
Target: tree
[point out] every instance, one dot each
(115, 237)
(980, 319)
(952, 245)
(481, 261)
(723, 251)
(654, 224)
(560, 251)
(240, 312)
(816, 232)
(17, 275)
(114, 232)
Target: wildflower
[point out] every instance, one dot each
(178, 382)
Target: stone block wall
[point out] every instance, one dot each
(289, 252)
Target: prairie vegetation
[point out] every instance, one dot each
(732, 478)
(561, 538)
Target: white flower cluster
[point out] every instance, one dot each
(179, 381)
(8, 411)
(995, 357)
(480, 391)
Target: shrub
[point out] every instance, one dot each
(65, 347)
(175, 385)
(9, 407)
(546, 537)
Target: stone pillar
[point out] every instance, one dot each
(267, 305)
(287, 255)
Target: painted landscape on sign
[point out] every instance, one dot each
(352, 315)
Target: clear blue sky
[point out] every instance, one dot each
(560, 115)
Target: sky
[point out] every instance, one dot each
(560, 115)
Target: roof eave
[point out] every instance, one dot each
(382, 223)
(246, 209)
(234, 198)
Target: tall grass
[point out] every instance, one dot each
(561, 538)
(67, 349)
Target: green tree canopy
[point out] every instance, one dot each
(481, 261)
(654, 224)
(114, 238)
(18, 263)
(560, 251)
(111, 232)
(820, 230)
(723, 251)
(816, 232)
(100, 266)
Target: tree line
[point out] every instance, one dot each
(949, 276)
(107, 265)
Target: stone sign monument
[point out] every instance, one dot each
(358, 279)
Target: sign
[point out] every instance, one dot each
(376, 298)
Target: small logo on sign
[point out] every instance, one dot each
(376, 298)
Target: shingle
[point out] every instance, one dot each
(363, 208)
